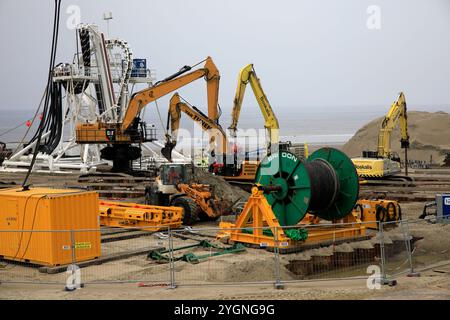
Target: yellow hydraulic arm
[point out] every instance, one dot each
(100, 132)
(246, 75)
(396, 113)
(207, 124)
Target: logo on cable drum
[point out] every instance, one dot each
(447, 201)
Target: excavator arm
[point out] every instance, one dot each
(246, 75)
(120, 135)
(207, 124)
(397, 114)
(142, 98)
(123, 132)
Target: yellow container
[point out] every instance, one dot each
(42, 225)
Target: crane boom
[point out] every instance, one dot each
(246, 75)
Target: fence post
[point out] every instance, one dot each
(171, 261)
(383, 279)
(74, 281)
(72, 245)
(408, 238)
(278, 283)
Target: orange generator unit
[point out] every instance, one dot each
(49, 226)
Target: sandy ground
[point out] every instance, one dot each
(253, 265)
(433, 284)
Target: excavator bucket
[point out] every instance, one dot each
(166, 151)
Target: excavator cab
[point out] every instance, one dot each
(166, 184)
(173, 174)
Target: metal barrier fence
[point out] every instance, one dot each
(395, 243)
(345, 253)
(412, 245)
(195, 256)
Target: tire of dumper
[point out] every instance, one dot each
(380, 214)
(394, 210)
(399, 213)
(190, 209)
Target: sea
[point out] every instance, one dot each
(313, 125)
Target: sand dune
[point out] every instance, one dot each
(429, 137)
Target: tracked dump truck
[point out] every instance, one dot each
(173, 187)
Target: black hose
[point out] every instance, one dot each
(48, 93)
(176, 74)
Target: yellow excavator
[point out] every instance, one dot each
(384, 162)
(120, 135)
(248, 168)
(228, 170)
(248, 75)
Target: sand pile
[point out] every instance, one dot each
(429, 136)
(435, 239)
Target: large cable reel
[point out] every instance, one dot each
(326, 185)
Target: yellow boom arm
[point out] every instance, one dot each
(246, 75)
(396, 112)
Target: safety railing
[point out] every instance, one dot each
(68, 71)
(209, 256)
(143, 133)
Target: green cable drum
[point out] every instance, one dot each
(347, 178)
(326, 185)
(290, 204)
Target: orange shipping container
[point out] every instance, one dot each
(35, 225)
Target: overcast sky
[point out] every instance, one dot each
(307, 53)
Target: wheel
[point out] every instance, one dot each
(380, 214)
(399, 215)
(191, 210)
(391, 211)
